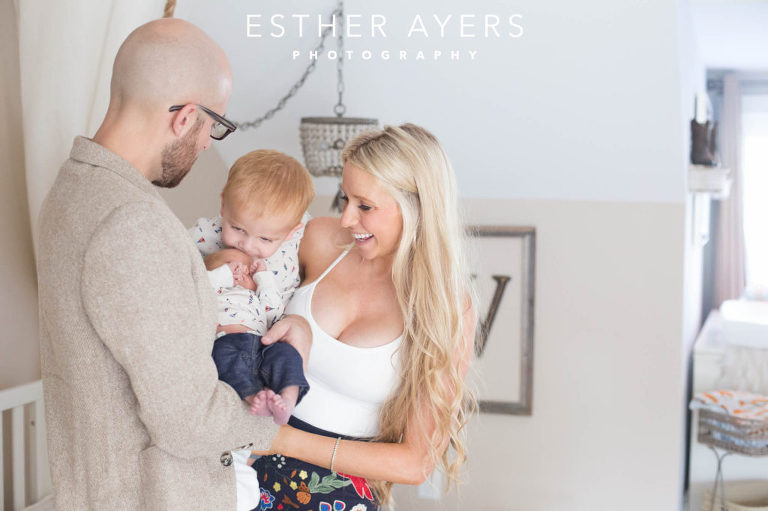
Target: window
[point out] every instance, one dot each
(755, 188)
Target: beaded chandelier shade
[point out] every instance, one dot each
(323, 138)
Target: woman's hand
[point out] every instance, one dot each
(294, 330)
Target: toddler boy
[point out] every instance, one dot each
(251, 252)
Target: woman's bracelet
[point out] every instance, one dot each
(333, 456)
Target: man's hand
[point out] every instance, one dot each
(294, 330)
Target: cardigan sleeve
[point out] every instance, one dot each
(144, 303)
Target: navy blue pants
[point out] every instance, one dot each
(249, 366)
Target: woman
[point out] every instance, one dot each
(393, 328)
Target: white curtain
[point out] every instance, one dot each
(66, 50)
(755, 166)
(730, 254)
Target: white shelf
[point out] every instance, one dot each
(712, 181)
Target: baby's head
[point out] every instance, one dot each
(266, 194)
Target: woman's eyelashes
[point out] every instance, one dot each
(363, 207)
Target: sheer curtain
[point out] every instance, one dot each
(66, 49)
(755, 131)
(730, 255)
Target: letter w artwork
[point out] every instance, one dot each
(485, 326)
(503, 263)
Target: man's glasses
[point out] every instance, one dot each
(219, 129)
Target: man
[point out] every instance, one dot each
(136, 416)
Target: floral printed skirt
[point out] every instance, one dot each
(288, 484)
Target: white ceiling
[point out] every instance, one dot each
(732, 34)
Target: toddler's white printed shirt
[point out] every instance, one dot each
(260, 309)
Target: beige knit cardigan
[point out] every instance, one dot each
(136, 416)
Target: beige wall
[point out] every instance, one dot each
(19, 346)
(607, 396)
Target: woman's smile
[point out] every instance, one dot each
(361, 238)
(371, 214)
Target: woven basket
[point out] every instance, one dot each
(740, 496)
(743, 436)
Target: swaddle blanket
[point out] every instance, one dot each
(736, 403)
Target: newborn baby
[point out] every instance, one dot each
(270, 378)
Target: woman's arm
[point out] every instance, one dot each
(405, 463)
(399, 463)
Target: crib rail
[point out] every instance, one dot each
(24, 404)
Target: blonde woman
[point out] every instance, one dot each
(393, 327)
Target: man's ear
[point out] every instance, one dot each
(184, 119)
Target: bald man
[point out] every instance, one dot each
(136, 416)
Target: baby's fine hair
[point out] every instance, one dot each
(267, 181)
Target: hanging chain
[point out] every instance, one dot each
(339, 109)
(339, 11)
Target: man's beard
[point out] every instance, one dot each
(178, 157)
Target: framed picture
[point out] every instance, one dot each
(503, 263)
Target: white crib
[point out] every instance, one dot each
(30, 484)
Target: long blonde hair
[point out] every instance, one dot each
(432, 283)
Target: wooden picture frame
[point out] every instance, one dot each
(503, 267)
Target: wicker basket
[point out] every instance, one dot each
(740, 496)
(743, 436)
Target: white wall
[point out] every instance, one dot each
(580, 107)
(692, 80)
(732, 35)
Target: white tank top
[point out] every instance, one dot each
(348, 384)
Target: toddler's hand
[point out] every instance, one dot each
(238, 272)
(259, 265)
